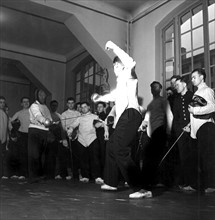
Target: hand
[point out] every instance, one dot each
(106, 135)
(95, 97)
(187, 128)
(143, 126)
(191, 109)
(109, 45)
(69, 132)
(47, 123)
(65, 143)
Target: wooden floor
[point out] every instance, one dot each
(64, 199)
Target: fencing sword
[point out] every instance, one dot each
(174, 144)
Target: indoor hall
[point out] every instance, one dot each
(59, 46)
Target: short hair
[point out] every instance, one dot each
(116, 59)
(183, 79)
(2, 97)
(156, 82)
(53, 101)
(200, 72)
(102, 103)
(70, 99)
(85, 102)
(175, 77)
(24, 97)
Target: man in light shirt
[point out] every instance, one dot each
(67, 118)
(40, 120)
(3, 139)
(127, 121)
(202, 131)
(23, 116)
(87, 143)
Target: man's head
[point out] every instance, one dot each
(181, 85)
(198, 76)
(70, 102)
(100, 107)
(2, 102)
(78, 106)
(25, 102)
(173, 80)
(85, 107)
(118, 66)
(53, 105)
(156, 88)
(169, 91)
(40, 96)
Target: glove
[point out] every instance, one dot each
(95, 97)
(47, 123)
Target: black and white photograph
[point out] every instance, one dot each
(107, 109)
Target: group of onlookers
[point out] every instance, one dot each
(37, 142)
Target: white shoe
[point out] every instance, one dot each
(21, 178)
(99, 180)
(141, 194)
(58, 177)
(4, 177)
(188, 189)
(209, 190)
(109, 188)
(68, 177)
(14, 177)
(84, 180)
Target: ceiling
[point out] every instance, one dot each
(27, 24)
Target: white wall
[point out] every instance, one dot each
(144, 50)
(51, 74)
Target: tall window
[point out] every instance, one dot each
(194, 32)
(89, 79)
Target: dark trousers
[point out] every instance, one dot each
(102, 147)
(3, 160)
(118, 151)
(37, 142)
(51, 153)
(184, 151)
(152, 156)
(89, 160)
(206, 155)
(23, 154)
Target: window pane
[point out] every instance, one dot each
(86, 80)
(212, 54)
(185, 22)
(211, 10)
(213, 77)
(78, 76)
(91, 80)
(78, 88)
(212, 31)
(186, 42)
(197, 18)
(169, 33)
(169, 50)
(186, 63)
(198, 38)
(198, 58)
(98, 81)
(90, 70)
(78, 98)
(86, 74)
(169, 69)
